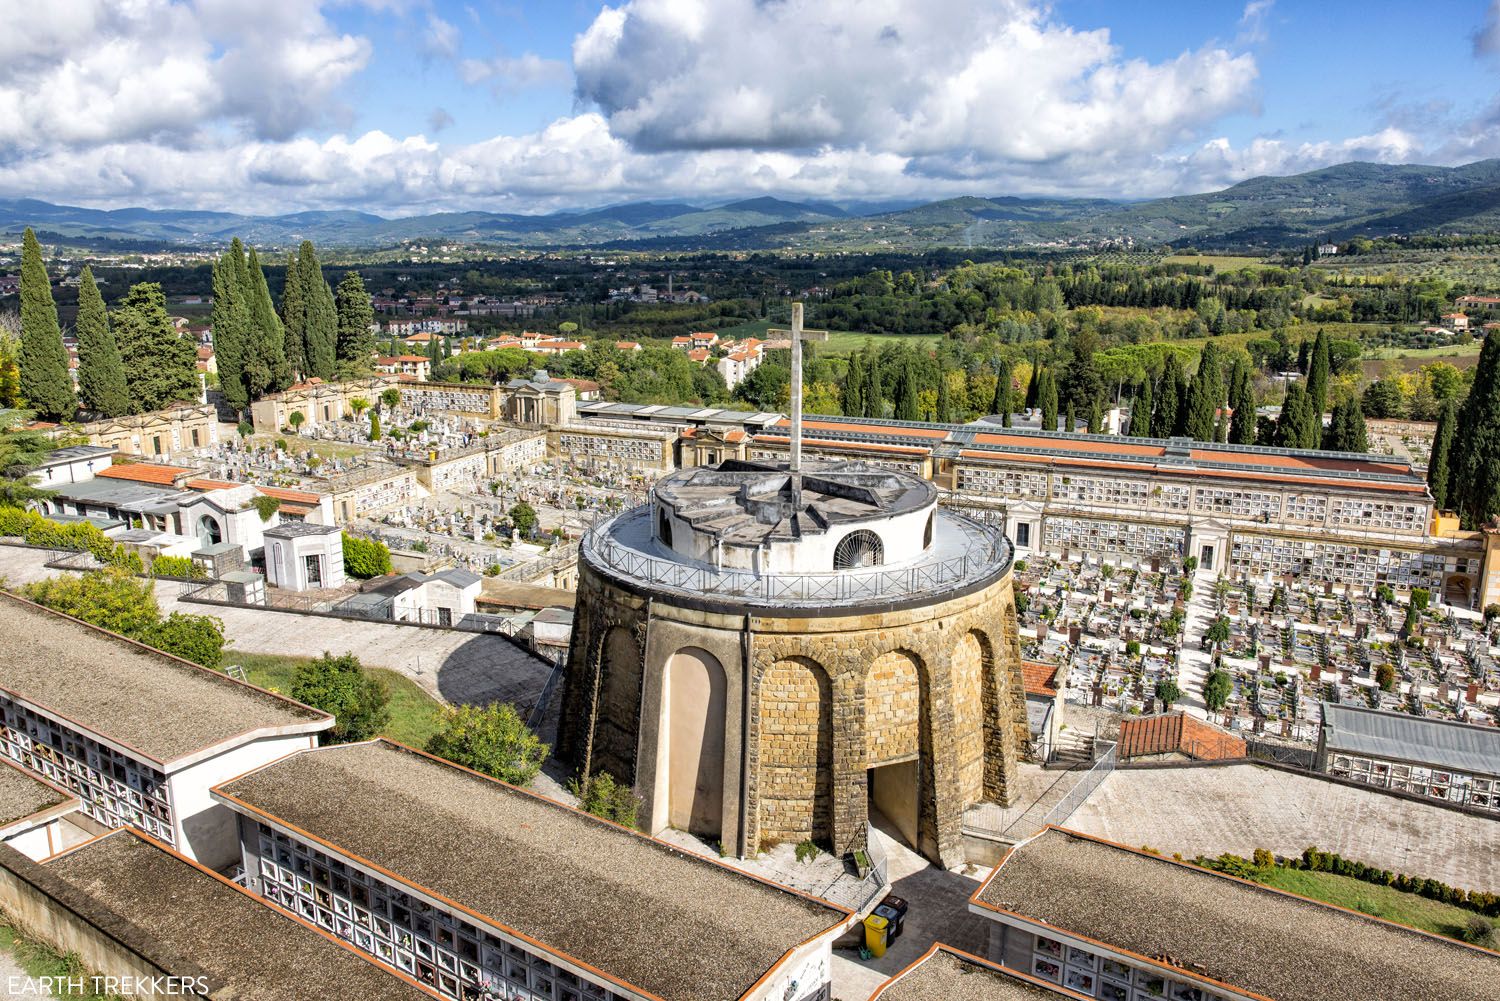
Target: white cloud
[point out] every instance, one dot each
(1253, 21)
(441, 39)
(960, 79)
(82, 72)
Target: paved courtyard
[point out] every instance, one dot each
(453, 665)
(1238, 808)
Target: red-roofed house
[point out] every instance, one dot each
(627, 346)
(1456, 322)
(417, 366)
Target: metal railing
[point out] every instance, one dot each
(1103, 764)
(987, 554)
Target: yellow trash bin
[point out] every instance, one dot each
(876, 929)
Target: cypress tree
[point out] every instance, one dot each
(944, 400)
(231, 325)
(1294, 426)
(853, 398)
(1001, 403)
(1206, 395)
(355, 314)
(1317, 376)
(1034, 387)
(1096, 418)
(1242, 402)
(294, 319)
(1474, 456)
(46, 386)
(320, 317)
(1082, 383)
(1069, 424)
(101, 374)
(159, 363)
(906, 396)
(874, 391)
(1046, 393)
(266, 368)
(1140, 410)
(1438, 465)
(1164, 420)
(1183, 389)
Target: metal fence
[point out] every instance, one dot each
(1103, 764)
(215, 592)
(988, 551)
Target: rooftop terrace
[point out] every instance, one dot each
(162, 708)
(1212, 926)
(608, 898)
(945, 974)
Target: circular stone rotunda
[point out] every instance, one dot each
(769, 655)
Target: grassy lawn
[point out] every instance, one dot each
(1440, 351)
(840, 342)
(414, 713)
(1376, 901)
(41, 960)
(1220, 263)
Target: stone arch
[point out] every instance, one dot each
(209, 532)
(893, 707)
(618, 720)
(692, 752)
(796, 752)
(971, 663)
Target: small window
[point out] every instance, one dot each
(1023, 535)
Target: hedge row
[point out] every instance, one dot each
(1480, 901)
(76, 536)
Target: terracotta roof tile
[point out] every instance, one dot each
(144, 472)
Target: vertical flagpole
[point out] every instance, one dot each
(796, 390)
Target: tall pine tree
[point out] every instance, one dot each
(1318, 365)
(1001, 404)
(1182, 387)
(1206, 395)
(1046, 396)
(352, 303)
(853, 398)
(231, 325)
(1140, 409)
(906, 396)
(160, 365)
(1242, 401)
(1296, 428)
(1440, 464)
(266, 368)
(294, 319)
(944, 399)
(45, 384)
(1164, 419)
(874, 388)
(320, 316)
(1474, 487)
(101, 374)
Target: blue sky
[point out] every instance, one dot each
(401, 106)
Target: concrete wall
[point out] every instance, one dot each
(204, 829)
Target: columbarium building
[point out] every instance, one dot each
(771, 655)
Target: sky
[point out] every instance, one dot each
(400, 107)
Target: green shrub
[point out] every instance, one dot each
(175, 566)
(365, 558)
(604, 797)
(807, 851)
(358, 702)
(113, 599)
(492, 739)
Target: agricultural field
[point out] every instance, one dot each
(1220, 263)
(840, 342)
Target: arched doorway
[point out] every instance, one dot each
(796, 753)
(893, 740)
(694, 696)
(209, 533)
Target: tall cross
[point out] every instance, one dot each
(798, 335)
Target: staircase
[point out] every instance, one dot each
(1072, 749)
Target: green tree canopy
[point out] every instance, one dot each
(230, 320)
(21, 452)
(1474, 455)
(1216, 690)
(46, 386)
(365, 558)
(101, 373)
(1439, 466)
(355, 314)
(265, 364)
(523, 518)
(113, 599)
(160, 364)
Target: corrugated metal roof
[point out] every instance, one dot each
(1399, 737)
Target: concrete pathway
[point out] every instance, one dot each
(454, 666)
(1193, 662)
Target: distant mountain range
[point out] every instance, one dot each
(1352, 199)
